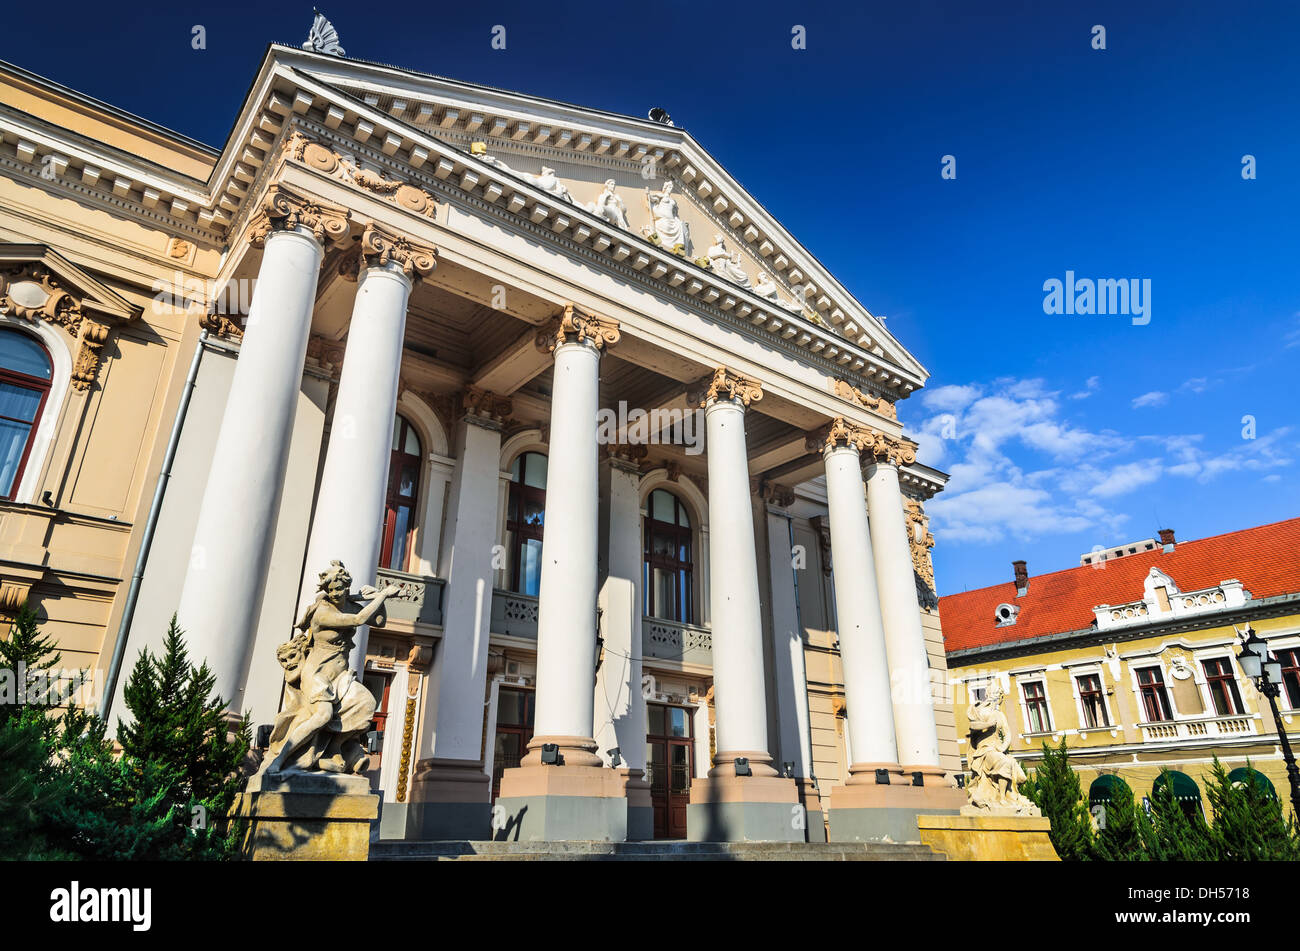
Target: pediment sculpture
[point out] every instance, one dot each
(668, 230)
(995, 774)
(326, 707)
(610, 207)
(726, 263)
(765, 288)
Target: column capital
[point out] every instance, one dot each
(725, 384)
(284, 209)
(625, 456)
(383, 248)
(480, 407)
(774, 493)
(874, 445)
(574, 326)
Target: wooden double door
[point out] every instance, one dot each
(670, 764)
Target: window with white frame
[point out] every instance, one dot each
(1221, 685)
(1154, 696)
(1038, 718)
(1092, 701)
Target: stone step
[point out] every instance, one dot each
(582, 851)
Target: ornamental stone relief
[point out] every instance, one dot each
(307, 151)
(877, 404)
(380, 247)
(284, 209)
(725, 384)
(920, 541)
(873, 444)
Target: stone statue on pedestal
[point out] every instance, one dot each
(669, 231)
(610, 207)
(326, 708)
(996, 774)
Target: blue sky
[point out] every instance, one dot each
(1062, 432)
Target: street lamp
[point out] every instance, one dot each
(1266, 673)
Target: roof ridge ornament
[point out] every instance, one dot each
(323, 38)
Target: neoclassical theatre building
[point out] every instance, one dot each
(627, 452)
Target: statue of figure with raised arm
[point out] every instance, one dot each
(726, 263)
(669, 231)
(765, 288)
(326, 708)
(610, 207)
(994, 786)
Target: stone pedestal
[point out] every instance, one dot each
(864, 810)
(307, 817)
(640, 807)
(815, 818)
(976, 835)
(544, 803)
(450, 799)
(760, 808)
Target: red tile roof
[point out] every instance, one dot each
(1265, 559)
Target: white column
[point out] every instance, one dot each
(790, 674)
(350, 505)
(862, 638)
(909, 664)
(460, 671)
(740, 702)
(223, 589)
(620, 715)
(566, 623)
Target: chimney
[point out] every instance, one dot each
(1022, 578)
(1167, 538)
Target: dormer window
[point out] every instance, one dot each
(1005, 615)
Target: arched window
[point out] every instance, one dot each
(525, 520)
(403, 485)
(669, 577)
(25, 376)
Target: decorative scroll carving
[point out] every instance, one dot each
(775, 493)
(877, 404)
(301, 148)
(630, 455)
(220, 325)
(724, 384)
(822, 527)
(32, 292)
(284, 209)
(573, 325)
(380, 247)
(93, 337)
(920, 540)
(417, 662)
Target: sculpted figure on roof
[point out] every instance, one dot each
(727, 264)
(609, 206)
(765, 288)
(669, 231)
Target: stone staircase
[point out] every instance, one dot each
(466, 851)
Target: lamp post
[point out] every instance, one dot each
(1266, 672)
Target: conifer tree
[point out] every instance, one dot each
(1119, 838)
(1055, 790)
(1174, 831)
(1248, 821)
(28, 656)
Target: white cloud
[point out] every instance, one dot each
(1090, 386)
(949, 398)
(1154, 398)
(1292, 337)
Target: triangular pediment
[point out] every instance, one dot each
(38, 283)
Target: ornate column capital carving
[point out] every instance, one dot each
(380, 248)
(32, 292)
(871, 443)
(920, 540)
(219, 325)
(626, 456)
(284, 209)
(877, 404)
(774, 493)
(573, 325)
(477, 407)
(725, 384)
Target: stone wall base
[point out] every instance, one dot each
(989, 838)
(887, 812)
(729, 808)
(449, 800)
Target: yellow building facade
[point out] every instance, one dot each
(1131, 658)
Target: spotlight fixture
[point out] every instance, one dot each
(375, 741)
(263, 739)
(550, 754)
(882, 777)
(789, 770)
(961, 780)
(742, 766)
(615, 757)
(918, 778)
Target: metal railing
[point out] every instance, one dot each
(419, 598)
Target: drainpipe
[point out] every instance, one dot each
(133, 593)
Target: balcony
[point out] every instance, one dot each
(418, 599)
(514, 615)
(676, 641)
(1197, 728)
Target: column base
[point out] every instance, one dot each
(307, 817)
(730, 808)
(557, 803)
(815, 818)
(640, 808)
(865, 810)
(450, 799)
